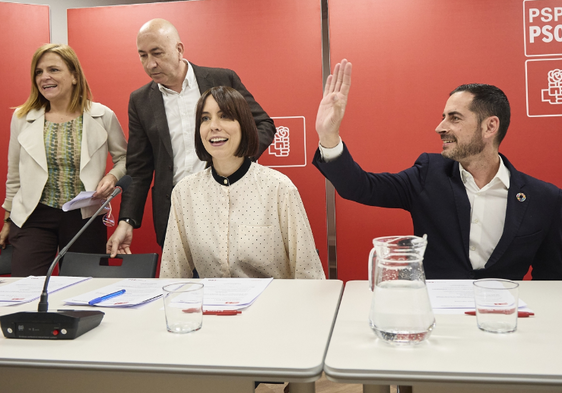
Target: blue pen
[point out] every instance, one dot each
(105, 297)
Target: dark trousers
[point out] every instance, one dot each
(48, 230)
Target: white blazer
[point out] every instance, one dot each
(27, 159)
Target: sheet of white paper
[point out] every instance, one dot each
(137, 291)
(82, 200)
(451, 293)
(454, 296)
(232, 293)
(29, 288)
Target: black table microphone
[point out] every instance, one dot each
(66, 325)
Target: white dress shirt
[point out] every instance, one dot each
(488, 206)
(180, 114)
(487, 214)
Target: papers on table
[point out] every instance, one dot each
(83, 199)
(232, 293)
(29, 288)
(218, 293)
(137, 291)
(454, 296)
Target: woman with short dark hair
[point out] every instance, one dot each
(236, 218)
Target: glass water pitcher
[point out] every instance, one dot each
(400, 312)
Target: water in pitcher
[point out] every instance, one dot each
(401, 312)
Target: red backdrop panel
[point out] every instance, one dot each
(407, 56)
(274, 46)
(15, 22)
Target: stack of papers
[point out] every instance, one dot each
(137, 291)
(84, 199)
(30, 288)
(232, 293)
(455, 296)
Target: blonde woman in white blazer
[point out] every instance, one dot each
(58, 147)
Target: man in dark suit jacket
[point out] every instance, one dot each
(453, 196)
(150, 152)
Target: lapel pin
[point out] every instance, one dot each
(521, 197)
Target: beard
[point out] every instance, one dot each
(462, 151)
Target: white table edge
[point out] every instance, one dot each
(308, 375)
(387, 377)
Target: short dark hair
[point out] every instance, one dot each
(488, 101)
(233, 105)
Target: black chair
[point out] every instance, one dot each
(6, 261)
(97, 265)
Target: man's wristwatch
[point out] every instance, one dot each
(128, 221)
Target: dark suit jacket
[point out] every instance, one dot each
(149, 152)
(434, 194)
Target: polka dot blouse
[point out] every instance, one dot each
(256, 227)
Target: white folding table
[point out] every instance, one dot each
(282, 337)
(458, 356)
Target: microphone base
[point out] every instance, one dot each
(65, 325)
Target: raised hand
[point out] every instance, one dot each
(332, 107)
